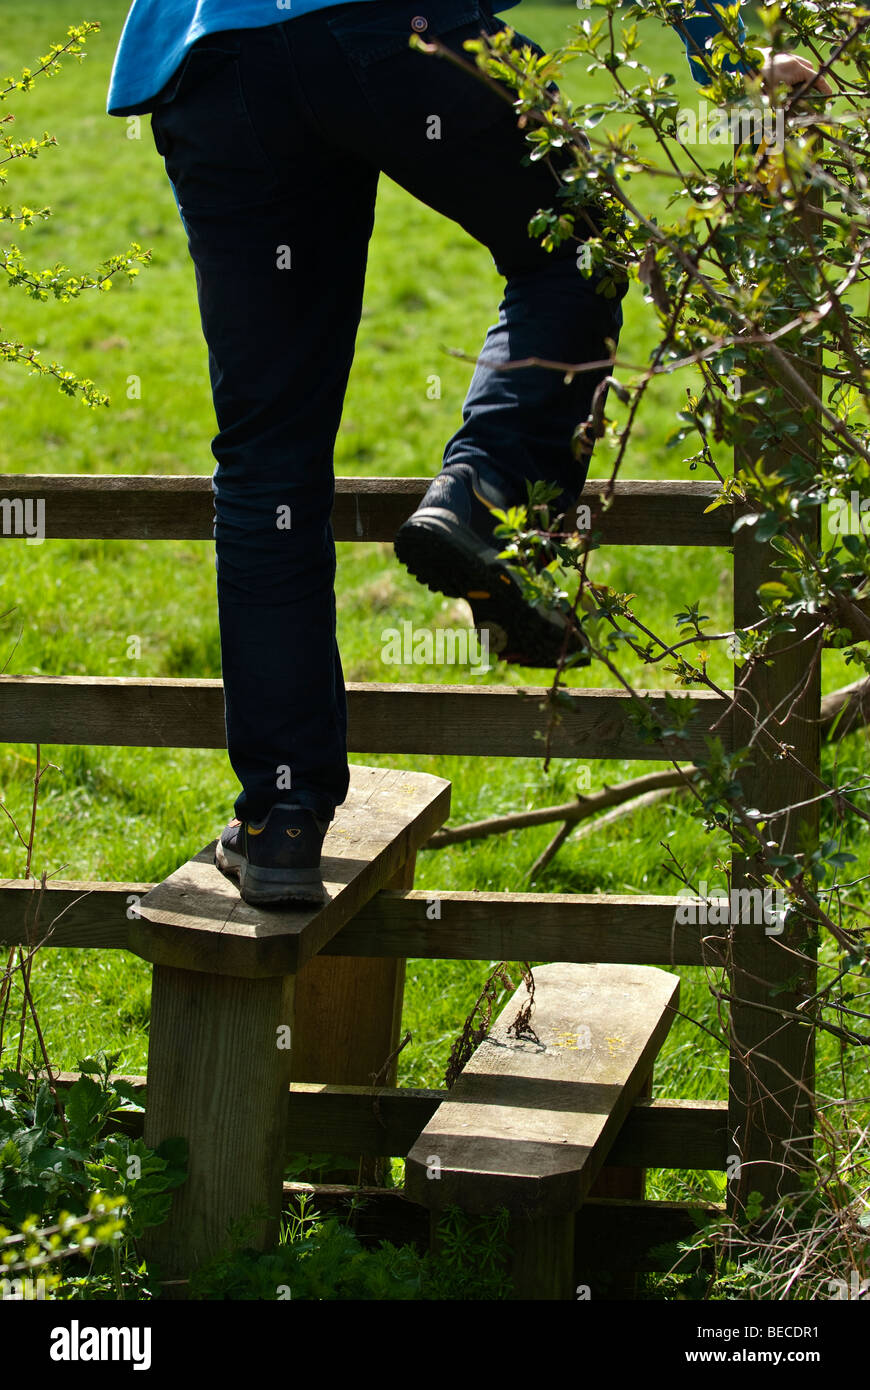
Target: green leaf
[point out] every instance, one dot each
(84, 1104)
(773, 589)
(10, 1155)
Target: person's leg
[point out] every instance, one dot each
(278, 224)
(455, 145)
(450, 140)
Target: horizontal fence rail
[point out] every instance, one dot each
(148, 507)
(491, 721)
(583, 928)
(338, 1119)
(611, 1234)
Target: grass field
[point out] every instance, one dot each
(134, 814)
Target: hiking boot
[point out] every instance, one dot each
(276, 860)
(448, 545)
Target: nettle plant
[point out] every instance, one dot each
(56, 281)
(758, 277)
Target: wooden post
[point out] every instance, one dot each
(348, 1022)
(542, 1256)
(218, 1077)
(772, 1063)
(541, 1264)
(629, 1184)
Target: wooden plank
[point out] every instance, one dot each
(681, 1134)
(217, 1078)
(493, 721)
(529, 1124)
(623, 1235)
(146, 507)
(620, 1236)
(196, 920)
(580, 927)
(88, 914)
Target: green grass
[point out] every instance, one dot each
(134, 815)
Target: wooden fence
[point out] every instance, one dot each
(767, 1111)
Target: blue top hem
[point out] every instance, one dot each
(158, 33)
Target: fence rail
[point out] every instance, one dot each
(609, 928)
(148, 507)
(484, 721)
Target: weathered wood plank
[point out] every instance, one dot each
(529, 1124)
(673, 1134)
(87, 914)
(493, 721)
(146, 507)
(580, 927)
(326, 1119)
(625, 1237)
(622, 1235)
(196, 920)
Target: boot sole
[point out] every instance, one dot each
(448, 558)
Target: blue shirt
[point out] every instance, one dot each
(158, 33)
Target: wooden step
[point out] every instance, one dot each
(529, 1124)
(196, 919)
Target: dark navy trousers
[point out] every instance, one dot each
(273, 140)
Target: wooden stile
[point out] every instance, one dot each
(530, 1120)
(223, 1014)
(226, 978)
